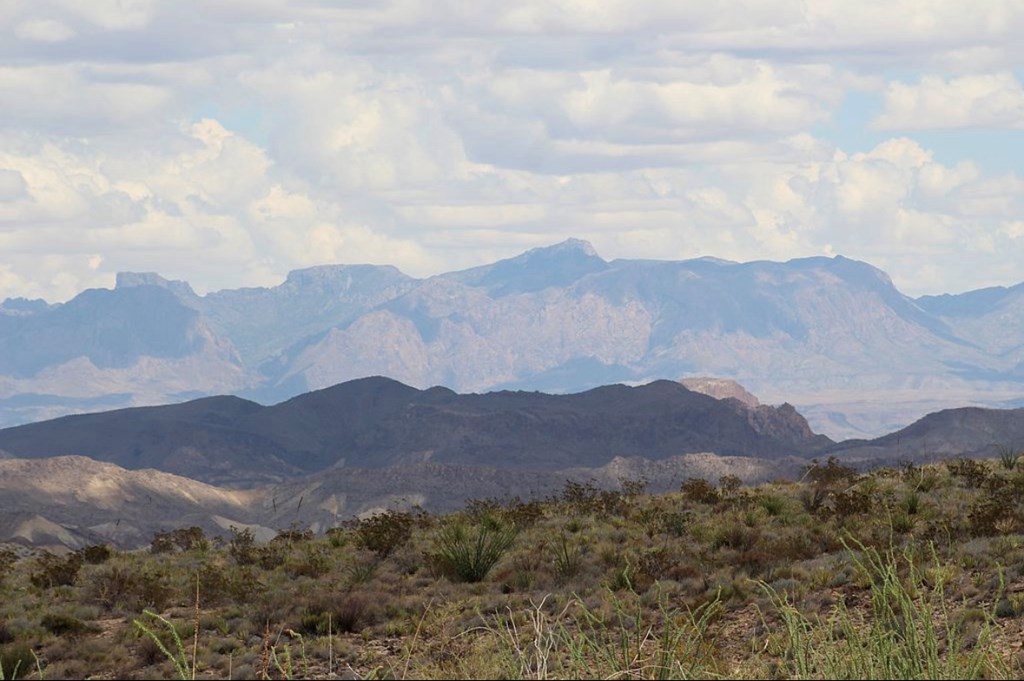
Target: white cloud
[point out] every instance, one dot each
(975, 101)
(117, 15)
(230, 141)
(44, 30)
(67, 99)
(12, 185)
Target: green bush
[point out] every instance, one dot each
(17, 661)
(972, 473)
(51, 570)
(700, 491)
(468, 555)
(385, 532)
(63, 624)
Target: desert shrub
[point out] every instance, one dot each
(995, 513)
(96, 554)
(972, 473)
(50, 570)
(132, 588)
(1004, 608)
(339, 613)
(242, 546)
(773, 504)
(829, 475)
(220, 584)
(243, 550)
(468, 555)
(362, 569)
(735, 535)
(272, 555)
(293, 535)
(729, 484)
(700, 491)
(851, 502)
(181, 539)
(621, 577)
(653, 565)
(912, 502)
(63, 624)
(1009, 457)
(161, 543)
(585, 498)
(7, 560)
(478, 509)
(384, 532)
(633, 487)
(17, 661)
(823, 481)
(523, 514)
(813, 498)
(674, 523)
(313, 561)
(337, 537)
(792, 547)
(190, 538)
(567, 557)
(901, 522)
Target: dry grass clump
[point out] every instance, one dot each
(915, 572)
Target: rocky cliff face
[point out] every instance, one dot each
(720, 389)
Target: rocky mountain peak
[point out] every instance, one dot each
(720, 389)
(339, 276)
(175, 286)
(571, 245)
(536, 269)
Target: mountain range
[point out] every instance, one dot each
(323, 457)
(832, 336)
(377, 422)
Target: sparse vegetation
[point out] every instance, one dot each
(903, 573)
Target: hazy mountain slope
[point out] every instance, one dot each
(74, 501)
(831, 335)
(197, 439)
(378, 422)
(969, 431)
(992, 317)
(107, 349)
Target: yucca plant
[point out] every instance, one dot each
(468, 555)
(1009, 457)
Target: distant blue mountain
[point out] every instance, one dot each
(831, 335)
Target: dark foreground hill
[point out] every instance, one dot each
(377, 422)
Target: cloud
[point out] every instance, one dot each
(12, 185)
(975, 101)
(231, 141)
(44, 30)
(70, 98)
(116, 15)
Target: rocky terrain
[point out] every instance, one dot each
(832, 336)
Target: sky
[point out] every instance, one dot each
(227, 142)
